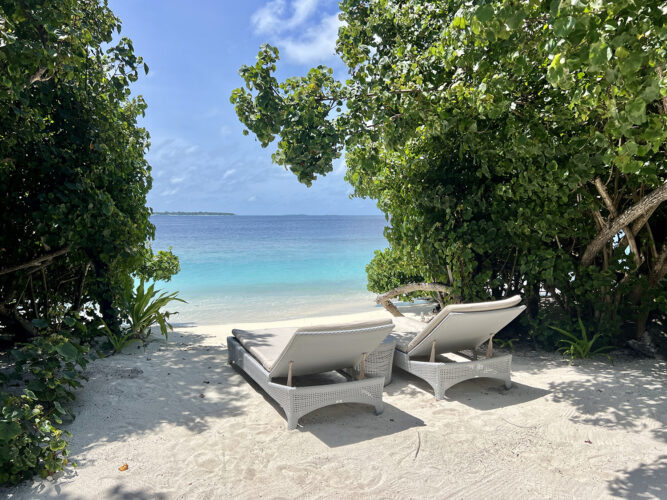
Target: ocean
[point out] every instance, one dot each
(262, 268)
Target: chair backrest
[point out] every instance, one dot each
(465, 326)
(330, 347)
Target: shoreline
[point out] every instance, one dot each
(190, 426)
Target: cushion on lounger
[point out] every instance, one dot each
(409, 328)
(265, 345)
(314, 348)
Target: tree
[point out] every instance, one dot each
(518, 145)
(73, 177)
(75, 228)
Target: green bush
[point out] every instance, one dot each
(30, 443)
(48, 368)
(388, 270)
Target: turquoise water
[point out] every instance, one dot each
(259, 268)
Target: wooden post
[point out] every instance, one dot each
(289, 374)
(362, 371)
(489, 350)
(432, 358)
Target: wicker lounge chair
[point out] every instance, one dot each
(273, 357)
(458, 327)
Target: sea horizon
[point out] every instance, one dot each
(245, 268)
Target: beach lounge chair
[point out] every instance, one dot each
(273, 357)
(458, 327)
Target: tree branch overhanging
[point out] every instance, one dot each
(37, 261)
(385, 299)
(646, 204)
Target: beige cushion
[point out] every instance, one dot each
(343, 327)
(410, 326)
(265, 345)
(314, 348)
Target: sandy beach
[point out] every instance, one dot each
(190, 426)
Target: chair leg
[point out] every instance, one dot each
(292, 421)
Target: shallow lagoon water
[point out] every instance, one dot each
(257, 268)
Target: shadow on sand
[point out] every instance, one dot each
(473, 393)
(646, 481)
(359, 420)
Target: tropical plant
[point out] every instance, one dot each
(514, 146)
(506, 343)
(118, 340)
(580, 347)
(142, 310)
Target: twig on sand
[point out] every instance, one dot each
(419, 445)
(520, 426)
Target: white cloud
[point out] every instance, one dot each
(177, 180)
(229, 172)
(301, 39)
(225, 130)
(252, 198)
(169, 192)
(271, 19)
(192, 149)
(318, 43)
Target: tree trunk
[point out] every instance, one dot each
(646, 204)
(26, 329)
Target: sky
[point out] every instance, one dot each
(201, 161)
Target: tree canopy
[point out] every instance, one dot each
(515, 146)
(73, 177)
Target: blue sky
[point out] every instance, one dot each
(200, 159)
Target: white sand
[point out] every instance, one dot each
(587, 431)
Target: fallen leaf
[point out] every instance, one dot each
(201, 396)
(123, 467)
(588, 441)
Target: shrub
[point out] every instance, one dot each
(49, 368)
(141, 308)
(30, 443)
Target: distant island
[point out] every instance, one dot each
(193, 213)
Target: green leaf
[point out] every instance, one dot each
(9, 430)
(564, 26)
(599, 53)
(59, 407)
(40, 323)
(68, 351)
(636, 111)
(484, 13)
(459, 22)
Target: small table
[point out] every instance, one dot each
(379, 362)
